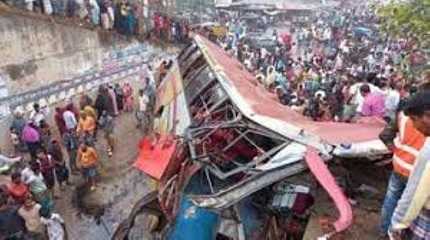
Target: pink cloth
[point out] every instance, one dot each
(30, 135)
(327, 181)
(374, 105)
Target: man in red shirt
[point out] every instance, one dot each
(17, 190)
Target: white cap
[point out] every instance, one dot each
(19, 111)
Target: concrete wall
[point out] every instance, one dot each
(36, 52)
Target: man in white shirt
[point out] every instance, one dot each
(29, 4)
(327, 34)
(264, 53)
(149, 74)
(371, 62)
(70, 119)
(143, 101)
(30, 213)
(38, 114)
(392, 100)
(344, 46)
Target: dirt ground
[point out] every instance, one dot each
(119, 187)
(366, 188)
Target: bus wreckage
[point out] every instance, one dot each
(225, 148)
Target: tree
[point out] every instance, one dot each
(409, 18)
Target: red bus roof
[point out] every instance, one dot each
(264, 103)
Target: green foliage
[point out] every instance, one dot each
(407, 19)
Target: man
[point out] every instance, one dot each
(283, 95)
(38, 114)
(30, 212)
(399, 177)
(412, 211)
(87, 161)
(392, 100)
(270, 77)
(150, 91)
(69, 119)
(47, 169)
(59, 7)
(313, 109)
(84, 101)
(71, 143)
(104, 102)
(371, 61)
(141, 110)
(18, 122)
(29, 5)
(344, 46)
(61, 170)
(59, 120)
(17, 189)
(106, 123)
(31, 137)
(86, 127)
(374, 103)
(33, 177)
(150, 79)
(11, 224)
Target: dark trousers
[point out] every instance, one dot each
(33, 148)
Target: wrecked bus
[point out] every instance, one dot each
(224, 148)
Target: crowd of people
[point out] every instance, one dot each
(119, 15)
(27, 209)
(124, 16)
(338, 68)
(170, 30)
